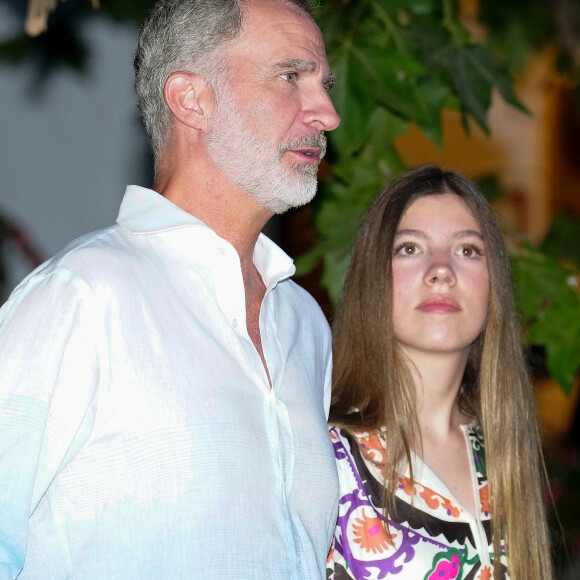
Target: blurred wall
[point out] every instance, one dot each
(70, 144)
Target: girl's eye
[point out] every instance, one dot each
(407, 249)
(471, 251)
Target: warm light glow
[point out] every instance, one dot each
(37, 16)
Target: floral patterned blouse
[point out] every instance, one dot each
(431, 536)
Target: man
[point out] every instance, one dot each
(164, 384)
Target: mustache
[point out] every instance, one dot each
(318, 141)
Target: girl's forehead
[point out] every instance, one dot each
(438, 210)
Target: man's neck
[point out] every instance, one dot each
(221, 205)
(234, 216)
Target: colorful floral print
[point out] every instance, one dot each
(370, 534)
(446, 569)
(432, 499)
(430, 536)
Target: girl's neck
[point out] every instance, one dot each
(437, 378)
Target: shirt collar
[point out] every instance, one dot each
(144, 211)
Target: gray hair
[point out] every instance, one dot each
(183, 35)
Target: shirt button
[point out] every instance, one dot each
(221, 251)
(235, 323)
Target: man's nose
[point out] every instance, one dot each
(320, 112)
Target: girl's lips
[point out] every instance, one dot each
(439, 305)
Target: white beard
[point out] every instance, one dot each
(255, 165)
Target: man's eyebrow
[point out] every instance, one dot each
(306, 66)
(296, 64)
(329, 80)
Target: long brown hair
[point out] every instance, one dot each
(372, 387)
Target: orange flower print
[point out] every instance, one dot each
(432, 499)
(485, 573)
(484, 498)
(330, 556)
(371, 535)
(405, 485)
(373, 448)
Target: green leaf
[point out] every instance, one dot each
(306, 262)
(473, 89)
(562, 240)
(495, 71)
(422, 7)
(490, 186)
(392, 78)
(384, 128)
(452, 22)
(352, 102)
(559, 332)
(549, 308)
(335, 267)
(436, 96)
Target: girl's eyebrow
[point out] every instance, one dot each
(468, 234)
(458, 234)
(418, 233)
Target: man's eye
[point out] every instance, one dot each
(288, 77)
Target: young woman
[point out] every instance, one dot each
(433, 415)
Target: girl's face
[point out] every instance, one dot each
(440, 277)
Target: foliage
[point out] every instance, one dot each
(519, 28)
(397, 62)
(403, 61)
(549, 307)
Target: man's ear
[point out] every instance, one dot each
(190, 98)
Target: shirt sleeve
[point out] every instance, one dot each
(328, 385)
(49, 375)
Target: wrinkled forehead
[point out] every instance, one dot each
(277, 30)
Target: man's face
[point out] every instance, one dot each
(267, 131)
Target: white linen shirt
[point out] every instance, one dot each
(139, 436)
